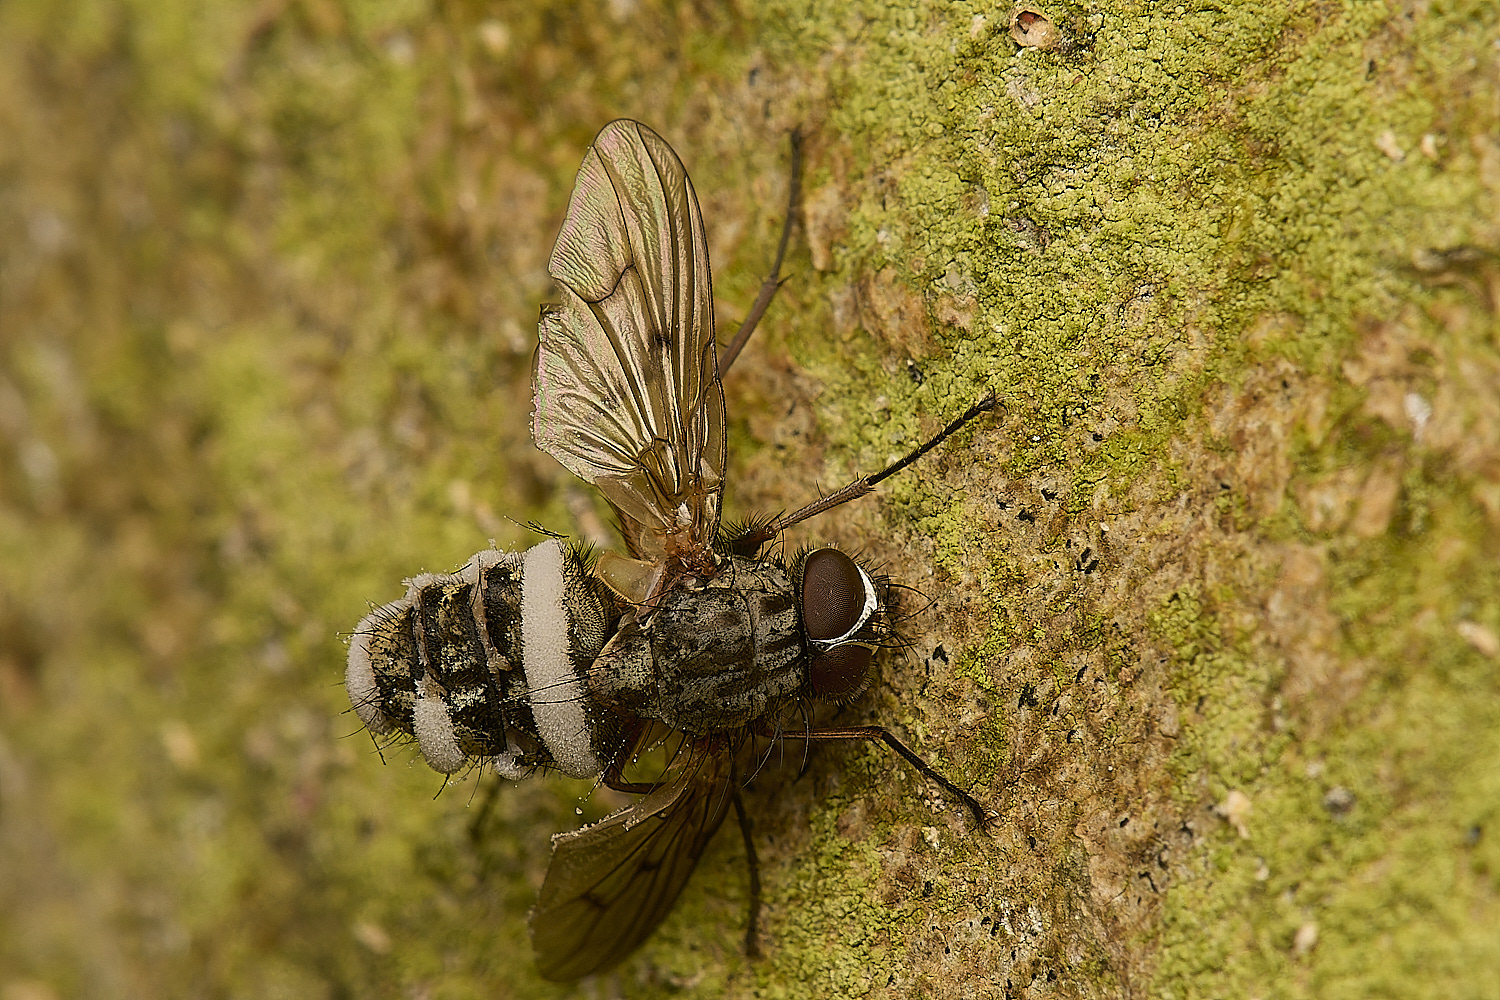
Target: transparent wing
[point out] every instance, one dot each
(610, 884)
(627, 393)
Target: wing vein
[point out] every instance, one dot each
(627, 394)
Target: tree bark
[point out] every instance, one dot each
(1207, 612)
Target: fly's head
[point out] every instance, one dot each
(844, 614)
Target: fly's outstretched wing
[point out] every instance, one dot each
(610, 884)
(626, 381)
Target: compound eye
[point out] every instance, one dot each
(833, 595)
(840, 673)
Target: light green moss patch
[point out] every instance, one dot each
(1283, 177)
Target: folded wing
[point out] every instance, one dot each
(610, 884)
(627, 394)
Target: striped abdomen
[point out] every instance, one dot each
(490, 662)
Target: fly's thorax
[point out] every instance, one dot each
(488, 663)
(709, 657)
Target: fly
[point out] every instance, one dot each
(552, 660)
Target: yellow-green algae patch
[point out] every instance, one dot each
(1300, 161)
(268, 300)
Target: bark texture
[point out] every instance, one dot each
(1209, 612)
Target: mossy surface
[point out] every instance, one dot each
(1214, 597)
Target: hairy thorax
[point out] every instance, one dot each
(711, 658)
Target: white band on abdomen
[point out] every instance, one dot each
(556, 694)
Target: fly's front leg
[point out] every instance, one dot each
(748, 539)
(879, 734)
(773, 280)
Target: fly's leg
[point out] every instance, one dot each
(632, 787)
(773, 281)
(639, 735)
(879, 734)
(758, 532)
(614, 775)
(479, 829)
(752, 921)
